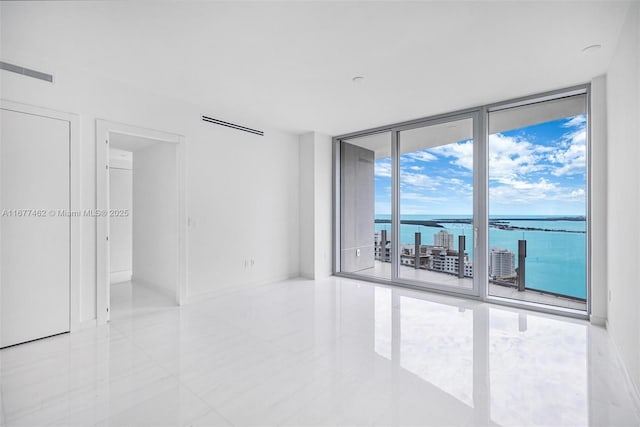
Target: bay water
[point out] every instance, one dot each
(555, 262)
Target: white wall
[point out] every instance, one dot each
(120, 226)
(155, 217)
(307, 205)
(598, 200)
(323, 205)
(623, 192)
(316, 199)
(242, 189)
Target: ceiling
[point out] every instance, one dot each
(290, 65)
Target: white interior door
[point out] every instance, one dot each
(120, 225)
(35, 238)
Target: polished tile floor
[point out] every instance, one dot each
(330, 352)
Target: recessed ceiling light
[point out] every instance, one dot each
(357, 79)
(592, 48)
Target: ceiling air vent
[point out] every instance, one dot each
(26, 71)
(232, 125)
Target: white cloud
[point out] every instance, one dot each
(382, 168)
(422, 156)
(442, 202)
(421, 197)
(527, 193)
(572, 157)
(564, 194)
(462, 153)
(420, 190)
(577, 137)
(511, 157)
(420, 180)
(518, 191)
(572, 161)
(576, 121)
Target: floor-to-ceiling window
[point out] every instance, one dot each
(489, 202)
(537, 202)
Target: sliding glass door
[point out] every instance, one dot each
(436, 209)
(490, 202)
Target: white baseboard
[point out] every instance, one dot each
(598, 321)
(170, 293)
(324, 275)
(120, 276)
(634, 387)
(232, 288)
(85, 324)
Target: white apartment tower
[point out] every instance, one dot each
(443, 239)
(501, 263)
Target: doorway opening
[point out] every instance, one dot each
(141, 218)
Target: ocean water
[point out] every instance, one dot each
(556, 261)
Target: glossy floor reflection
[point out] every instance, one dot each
(326, 352)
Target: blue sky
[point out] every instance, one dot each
(537, 170)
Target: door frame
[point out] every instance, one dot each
(104, 128)
(479, 176)
(75, 184)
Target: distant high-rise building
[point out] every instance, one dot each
(382, 250)
(501, 263)
(435, 258)
(443, 239)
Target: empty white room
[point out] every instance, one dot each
(219, 213)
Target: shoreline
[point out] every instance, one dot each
(500, 224)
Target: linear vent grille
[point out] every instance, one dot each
(26, 71)
(232, 125)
